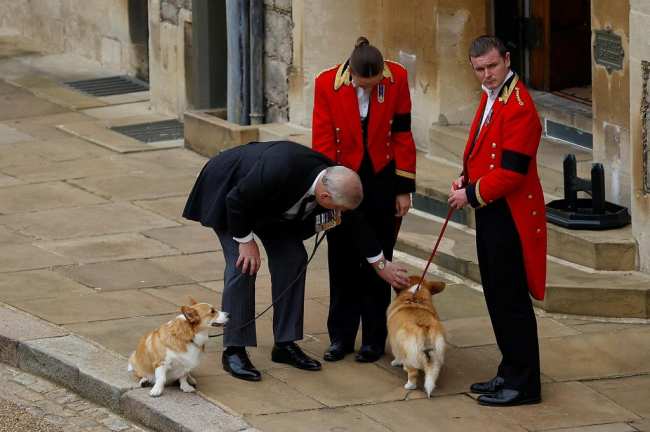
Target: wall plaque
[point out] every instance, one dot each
(608, 50)
(645, 123)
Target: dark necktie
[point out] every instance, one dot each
(303, 205)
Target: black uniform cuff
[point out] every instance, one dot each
(470, 190)
(404, 185)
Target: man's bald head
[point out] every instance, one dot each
(340, 188)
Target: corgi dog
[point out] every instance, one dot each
(170, 352)
(415, 334)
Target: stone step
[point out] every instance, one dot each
(600, 250)
(570, 289)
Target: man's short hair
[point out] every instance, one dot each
(484, 44)
(344, 186)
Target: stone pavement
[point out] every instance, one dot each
(29, 403)
(93, 246)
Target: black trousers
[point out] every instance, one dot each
(357, 293)
(506, 295)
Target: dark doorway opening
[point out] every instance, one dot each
(139, 33)
(550, 43)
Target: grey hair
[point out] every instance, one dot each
(344, 186)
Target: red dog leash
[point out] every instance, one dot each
(435, 248)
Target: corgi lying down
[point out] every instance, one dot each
(415, 334)
(170, 352)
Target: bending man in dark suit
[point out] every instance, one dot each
(275, 190)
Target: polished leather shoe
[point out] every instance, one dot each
(239, 365)
(508, 397)
(369, 353)
(488, 387)
(291, 354)
(337, 351)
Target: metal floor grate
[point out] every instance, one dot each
(165, 130)
(109, 86)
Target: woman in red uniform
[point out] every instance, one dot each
(362, 120)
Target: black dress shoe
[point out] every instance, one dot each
(291, 354)
(337, 351)
(369, 353)
(508, 397)
(488, 387)
(239, 365)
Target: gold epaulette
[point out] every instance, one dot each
(507, 91)
(342, 75)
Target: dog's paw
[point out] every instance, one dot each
(187, 388)
(156, 391)
(410, 386)
(144, 382)
(396, 363)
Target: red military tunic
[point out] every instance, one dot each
(502, 164)
(336, 126)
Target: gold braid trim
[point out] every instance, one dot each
(479, 198)
(406, 174)
(507, 91)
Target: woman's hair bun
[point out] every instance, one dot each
(361, 41)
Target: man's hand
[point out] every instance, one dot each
(458, 198)
(249, 257)
(394, 274)
(457, 184)
(402, 204)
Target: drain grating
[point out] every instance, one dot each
(110, 86)
(165, 130)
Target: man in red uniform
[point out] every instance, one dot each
(500, 181)
(362, 120)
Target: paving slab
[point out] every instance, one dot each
(466, 332)
(341, 384)
(67, 97)
(119, 335)
(112, 218)
(119, 111)
(315, 319)
(632, 393)
(78, 308)
(323, 420)
(175, 160)
(5, 87)
(187, 239)
(35, 168)
(21, 104)
(596, 355)
(126, 98)
(108, 248)
(566, 405)
(201, 267)
(37, 284)
(180, 294)
(123, 275)
(90, 370)
(8, 236)
(460, 301)
(37, 130)
(61, 149)
(9, 135)
(439, 414)
(43, 196)
(270, 395)
(641, 425)
(609, 427)
(6, 180)
(16, 257)
(176, 411)
(170, 208)
(136, 187)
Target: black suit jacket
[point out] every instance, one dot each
(249, 187)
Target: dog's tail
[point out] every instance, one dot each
(435, 356)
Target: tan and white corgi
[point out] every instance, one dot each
(170, 352)
(415, 334)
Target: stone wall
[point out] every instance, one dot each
(277, 58)
(95, 29)
(431, 35)
(611, 103)
(639, 51)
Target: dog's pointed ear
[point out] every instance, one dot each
(191, 315)
(192, 301)
(434, 287)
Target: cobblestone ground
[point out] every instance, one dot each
(31, 404)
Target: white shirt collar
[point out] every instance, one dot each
(493, 93)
